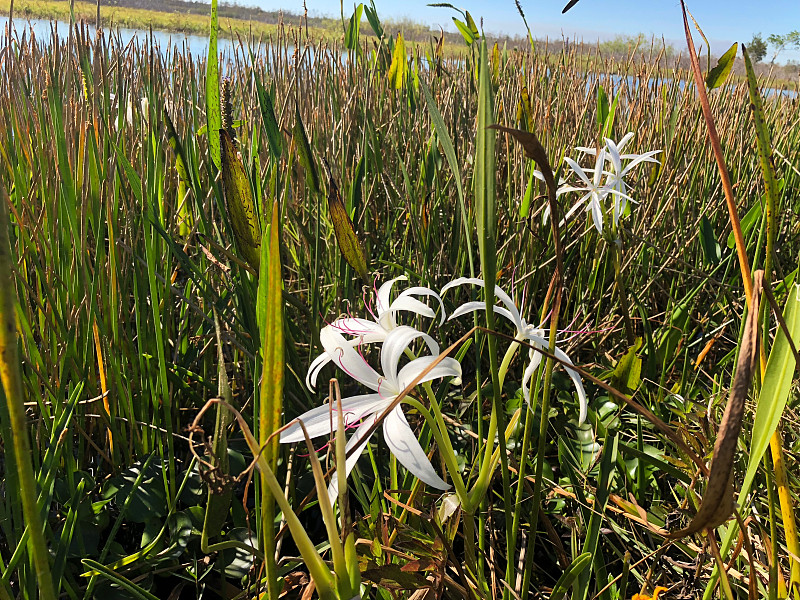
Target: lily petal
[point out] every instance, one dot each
(404, 445)
(420, 291)
(394, 346)
(322, 420)
(536, 360)
(385, 291)
(501, 295)
(576, 379)
(468, 307)
(351, 362)
(449, 367)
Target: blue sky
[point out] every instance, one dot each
(723, 21)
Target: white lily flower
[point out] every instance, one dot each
(536, 336)
(616, 178)
(367, 408)
(366, 331)
(596, 191)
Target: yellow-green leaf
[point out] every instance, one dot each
(270, 316)
(345, 232)
(398, 69)
(239, 200)
(719, 74)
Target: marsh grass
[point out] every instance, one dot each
(118, 276)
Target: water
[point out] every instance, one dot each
(197, 45)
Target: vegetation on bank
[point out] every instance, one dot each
(193, 257)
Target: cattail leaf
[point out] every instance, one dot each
(719, 75)
(345, 231)
(268, 116)
(184, 216)
(239, 201)
(213, 108)
(717, 505)
(304, 153)
(569, 5)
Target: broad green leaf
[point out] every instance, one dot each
(608, 125)
(353, 29)
(185, 221)
(466, 33)
(719, 74)
(472, 26)
(485, 173)
(752, 217)
(213, 108)
(602, 107)
(239, 201)
(569, 576)
(627, 374)
(374, 21)
(270, 323)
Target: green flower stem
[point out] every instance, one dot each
(537, 484)
(478, 491)
(619, 282)
(439, 430)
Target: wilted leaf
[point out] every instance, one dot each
(533, 149)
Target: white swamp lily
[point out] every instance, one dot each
(535, 336)
(367, 331)
(400, 438)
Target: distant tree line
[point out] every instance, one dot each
(758, 47)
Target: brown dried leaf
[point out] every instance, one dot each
(717, 505)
